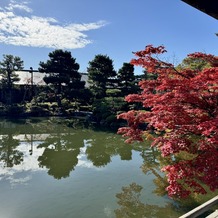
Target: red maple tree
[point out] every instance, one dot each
(181, 105)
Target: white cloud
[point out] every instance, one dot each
(20, 6)
(46, 32)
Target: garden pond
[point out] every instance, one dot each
(56, 167)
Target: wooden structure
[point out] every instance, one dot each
(209, 7)
(202, 209)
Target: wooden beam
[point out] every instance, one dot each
(201, 209)
(209, 7)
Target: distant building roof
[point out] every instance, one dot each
(25, 78)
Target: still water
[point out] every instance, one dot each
(53, 168)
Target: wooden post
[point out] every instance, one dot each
(31, 72)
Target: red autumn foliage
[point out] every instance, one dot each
(183, 106)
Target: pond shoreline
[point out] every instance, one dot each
(20, 111)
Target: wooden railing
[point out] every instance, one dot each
(201, 209)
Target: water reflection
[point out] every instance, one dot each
(125, 151)
(96, 163)
(9, 154)
(100, 149)
(152, 164)
(61, 146)
(60, 155)
(131, 205)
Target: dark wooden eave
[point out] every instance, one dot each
(209, 7)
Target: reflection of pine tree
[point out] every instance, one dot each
(60, 154)
(101, 148)
(131, 205)
(8, 153)
(98, 155)
(59, 162)
(125, 151)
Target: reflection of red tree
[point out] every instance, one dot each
(183, 108)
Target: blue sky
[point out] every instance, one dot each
(31, 29)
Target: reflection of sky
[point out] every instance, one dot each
(82, 161)
(21, 174)
(88, 191)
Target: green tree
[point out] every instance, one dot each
(8, 68)
(127, 79)
(61, 69)
(193, 64)
(105, 110)
(100, 75)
